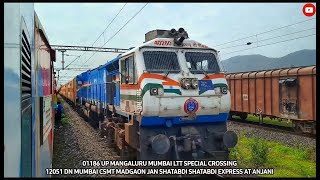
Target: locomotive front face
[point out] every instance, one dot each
(184, 84)
(182, 99)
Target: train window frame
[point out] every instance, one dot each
(124, 64)
(173, 50)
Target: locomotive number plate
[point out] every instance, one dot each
(205, 85)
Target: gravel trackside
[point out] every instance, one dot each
(287, 139)
(77, 141)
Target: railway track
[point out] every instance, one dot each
(270, 127)
(113, 147)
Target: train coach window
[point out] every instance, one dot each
(161, 61)
(202, 62)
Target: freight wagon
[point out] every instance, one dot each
(164, 99)
(282, 93)
(69, 91)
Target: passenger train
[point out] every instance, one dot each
(29, 87)
(166, 99)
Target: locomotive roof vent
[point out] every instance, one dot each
(179, 35)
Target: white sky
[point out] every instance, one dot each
(209, 23)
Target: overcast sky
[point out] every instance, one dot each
(211, 24)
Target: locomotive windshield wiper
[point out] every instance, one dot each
(205, 73)
(167, 73)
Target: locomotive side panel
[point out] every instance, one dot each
(102, 87)
(94, 81)
(78, 89)
(82, 88)
(97, 88)
(91, 87)
(101, 81)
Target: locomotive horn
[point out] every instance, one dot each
(180, 36)
(181, 30)
(173, 31)
(179, 41)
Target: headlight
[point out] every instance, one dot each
(221, 90)
(194, 83)
(186, 83)
(154, 91)
(224, 90)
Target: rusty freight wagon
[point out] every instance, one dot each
(72, 91)
(63, 90)
(69, 91)
(279, 94)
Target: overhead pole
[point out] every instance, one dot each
(76, 69)
(64, 48)
(62, 61)
(58, 73)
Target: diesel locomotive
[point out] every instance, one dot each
(165, 99)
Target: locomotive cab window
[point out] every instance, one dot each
(161, 61)
(199, 62)
(128, 71)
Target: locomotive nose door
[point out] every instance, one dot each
(111, 89)
(129, 84)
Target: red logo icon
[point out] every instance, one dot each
(309, 10)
